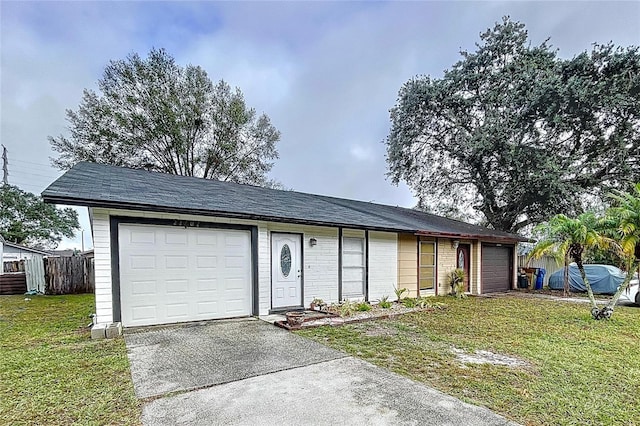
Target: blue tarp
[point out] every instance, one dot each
(604, 279)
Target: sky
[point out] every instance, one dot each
(326, 73)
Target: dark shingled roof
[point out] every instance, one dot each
(99, 185)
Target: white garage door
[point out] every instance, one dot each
(170, 274)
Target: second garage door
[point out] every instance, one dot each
(496, 268)
(171, 274)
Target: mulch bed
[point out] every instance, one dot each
(321, 318)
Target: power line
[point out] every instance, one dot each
(5, 163)
(31, 162)
(30, 173)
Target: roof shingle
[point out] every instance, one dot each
(99, 185)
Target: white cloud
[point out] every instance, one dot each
(361, 153)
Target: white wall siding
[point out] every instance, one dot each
(320, 261)
(264, 270)
(321, 266)
(102, 265)
(383, 264)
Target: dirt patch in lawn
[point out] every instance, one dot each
(486, 357)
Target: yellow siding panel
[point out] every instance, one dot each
(407, 263)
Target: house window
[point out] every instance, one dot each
(427, 265)
(353, 265)
(285, 260)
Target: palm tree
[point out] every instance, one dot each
(622, 223)
(569, 237)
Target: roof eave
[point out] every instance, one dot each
(492, 238)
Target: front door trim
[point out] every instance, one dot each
(300, 237)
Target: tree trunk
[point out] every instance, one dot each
(608, 311)
(594, 306)
(566, 274)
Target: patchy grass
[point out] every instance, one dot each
(577, 371)
(52, 373)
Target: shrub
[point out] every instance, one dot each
(399, 292)
(409, 302)
(363, 307)
(384, 302)
(455, 279)
(345, 309)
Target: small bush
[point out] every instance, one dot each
(409, 302)
(399, 292)
(363, 307)
(384, 302)
(456, 282)
(345, 308)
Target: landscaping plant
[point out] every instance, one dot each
(456, 282)
(384, 302)
(399, 292)
(363, 307)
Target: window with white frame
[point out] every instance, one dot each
(427, 265)
(353, 267)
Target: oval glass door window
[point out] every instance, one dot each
(285, 260)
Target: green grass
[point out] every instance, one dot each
(52, 373)
(579, 372)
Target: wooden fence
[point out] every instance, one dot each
(13, 283)
(69, 275)
(14, 266)
(546, 262)
(61, 275)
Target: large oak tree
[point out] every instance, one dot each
(517, 134)
(154, 114)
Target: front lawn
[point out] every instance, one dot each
(574, 370)
(52, 373)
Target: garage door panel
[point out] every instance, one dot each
(141, 237)
(143, 288)
(234, 307)
(144, 312)
(206, 262)
(207, 285)
(496, 268)
(174, 287)
(175, 238)
(206, 239)
(207, 308)
(142, 262)
(177, 311)
(187, 275)
(176, 262)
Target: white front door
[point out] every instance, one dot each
(286, 270)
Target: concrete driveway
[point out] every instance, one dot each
(196, 355)
(252, 373)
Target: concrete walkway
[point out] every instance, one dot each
(249, 372)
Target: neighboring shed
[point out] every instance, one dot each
(12, 252)
(173, 248)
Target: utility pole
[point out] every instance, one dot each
(82, 237)
(5, 166)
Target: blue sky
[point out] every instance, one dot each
(325, 72)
